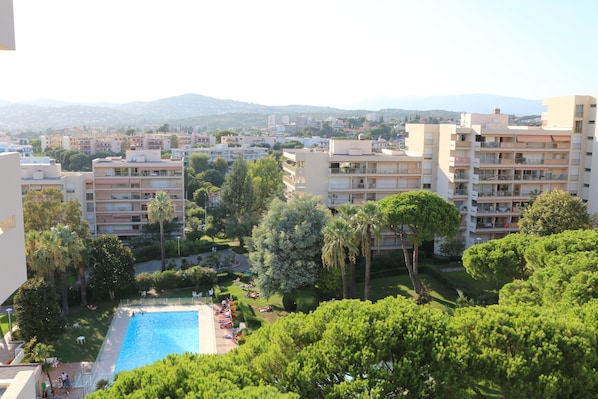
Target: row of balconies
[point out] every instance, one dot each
(376, 171)
(526, 146)
(518, 177)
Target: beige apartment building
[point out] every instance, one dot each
(122, 188)
(488, 169)
(350, 172)
(491, 170)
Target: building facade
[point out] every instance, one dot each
(230, 154)
(491, 170)
(123, 187)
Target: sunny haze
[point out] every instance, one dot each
(332, 53)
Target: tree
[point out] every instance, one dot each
(453, 248)
(37, 311)
(42, 209)
(415, 217)
(368, 224)
(72, 250)
(267, 179)
(523, 350)
(199, 162)
(338, 239)
(38, 352)
(500, 260)
(553, 212)
(159, 210)
(113, 267)
(74, 219)
(347, 212)
(212, 176)
(239, 202)
(221, 165)
(285, 248)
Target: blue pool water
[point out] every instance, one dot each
(152, 336)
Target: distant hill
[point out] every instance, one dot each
(193, 110)
(471, 103)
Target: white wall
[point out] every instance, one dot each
(12, 236)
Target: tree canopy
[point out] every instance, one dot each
(415, 217)
(37, 311)
(239, 202)
(285, 248)
(391, 348)
(553, 212)
(113, 267)
(501, 260)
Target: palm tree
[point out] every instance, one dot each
(347, 212)
(38, 352)
(338, 239)
(161, 209)
(72, 247)
(368, 223)
(46, 255)
(32, 244)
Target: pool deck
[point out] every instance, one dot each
(208, 332)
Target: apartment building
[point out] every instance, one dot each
(123, 187)
(247, 141)
(230, 154)
(491, 170)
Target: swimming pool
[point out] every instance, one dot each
(154, 335)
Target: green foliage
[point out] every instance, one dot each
(453, 248)
(565, 271)
(286, 246)
(416, 217)
(37, 311)
(199, 162)
(239, 202)
(112, 269)
(160, 210)
(501, 260)
(528, 352)
(554, 212)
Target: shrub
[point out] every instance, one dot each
(165, 280)
(145, 281)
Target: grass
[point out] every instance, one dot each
(93, 325)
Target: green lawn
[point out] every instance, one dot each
(93, 325)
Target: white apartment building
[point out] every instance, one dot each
(247, 141)
(230, 154)
(123, 187)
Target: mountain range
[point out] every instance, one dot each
(194, 110)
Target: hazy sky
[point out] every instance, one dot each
(280, 52)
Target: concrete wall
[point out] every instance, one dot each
(7, 25)
(12, 235)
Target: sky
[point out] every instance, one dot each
(310, 52)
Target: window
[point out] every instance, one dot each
(592, 122)
(592, 105)
(586, 185)
(427, 185)
(579, 110)
(578, 126)
(89, 196)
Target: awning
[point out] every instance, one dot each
(533, 139)
(561, 138)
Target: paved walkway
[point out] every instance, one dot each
(241, 262)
